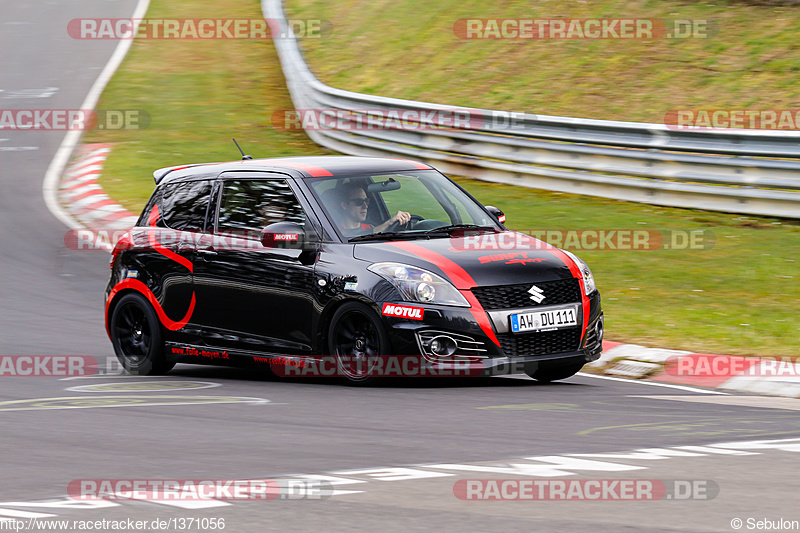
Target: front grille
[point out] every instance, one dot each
(540, 342)
(512, 296)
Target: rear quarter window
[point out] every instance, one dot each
(180, 206)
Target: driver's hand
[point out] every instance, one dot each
(402, 217)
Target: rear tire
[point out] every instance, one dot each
(548, 374)
(356, 336)
(137, 337)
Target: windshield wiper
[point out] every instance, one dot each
(453, 227)
(445, 230)
(383, 235)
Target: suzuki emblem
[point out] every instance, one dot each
(537, 294)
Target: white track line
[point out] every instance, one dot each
(654, 384)
(64, 152)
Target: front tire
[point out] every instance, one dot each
(548, 374)
(137, 337)
(356, 338)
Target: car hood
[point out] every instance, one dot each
(484, 259)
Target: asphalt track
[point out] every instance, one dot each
(218, 423)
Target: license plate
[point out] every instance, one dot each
(557, 318)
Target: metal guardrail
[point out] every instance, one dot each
(754, 172)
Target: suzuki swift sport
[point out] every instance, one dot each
(292, 262)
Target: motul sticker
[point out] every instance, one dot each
(403, 311)
(286, 237)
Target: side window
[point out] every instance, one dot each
(247, 206)
(183, 206)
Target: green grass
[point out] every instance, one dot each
(407, 49)
(200, 94)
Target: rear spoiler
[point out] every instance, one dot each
(161, 173)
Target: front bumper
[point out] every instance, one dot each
(499, 352)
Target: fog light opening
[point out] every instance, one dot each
(599, 329)
(443, 346)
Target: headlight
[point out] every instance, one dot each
(419, 285)
(588, 279)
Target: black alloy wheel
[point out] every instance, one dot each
(356, 338)
(137, 338)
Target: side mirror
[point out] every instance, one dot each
(287, 235)
(496, 213)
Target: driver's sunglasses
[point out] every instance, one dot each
(358, 202)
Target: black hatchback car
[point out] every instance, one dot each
(336, 265)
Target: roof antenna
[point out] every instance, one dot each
(244, 157)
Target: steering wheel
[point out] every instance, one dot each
(396, 225)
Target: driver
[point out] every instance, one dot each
(354, 204)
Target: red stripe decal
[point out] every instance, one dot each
(457, 275)
(421, 166)
(480, 315)
(137, 285)
(313, 170)
(157, 246)
(460, 278)
(576, 273)
(152, 218)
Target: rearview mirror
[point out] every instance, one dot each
(382, 186)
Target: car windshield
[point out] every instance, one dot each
(411, 204)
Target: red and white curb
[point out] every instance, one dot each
(773, 376)
(84, 199)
